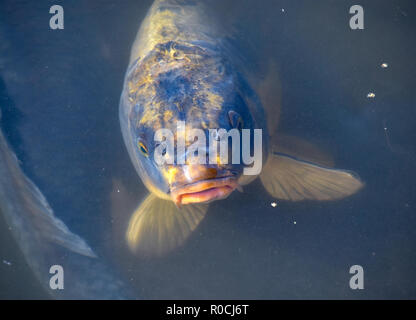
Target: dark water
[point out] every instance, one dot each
(59, 95)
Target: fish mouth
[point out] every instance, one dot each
(204, 191)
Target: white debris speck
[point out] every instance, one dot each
(8, 263)
(283, 10)
(118, 190)
(371, 95)
(294, 222)
(274, 204)
(384, 65)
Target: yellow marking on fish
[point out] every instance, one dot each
(161, 28)
(214, 99)
(149, 115)
(178, 106)
(170, 174)
(167, 115)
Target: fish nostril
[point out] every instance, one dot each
(211, 173)
(235, 120)
(234, 172)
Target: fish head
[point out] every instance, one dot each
(183, 110)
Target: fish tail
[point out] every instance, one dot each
(25, 208)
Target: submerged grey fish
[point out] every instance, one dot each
(46, 241)
(183, 69)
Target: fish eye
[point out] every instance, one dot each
(235, 120)
(143, 149)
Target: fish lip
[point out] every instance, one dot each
(207, 190)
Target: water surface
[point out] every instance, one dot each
(59, 94)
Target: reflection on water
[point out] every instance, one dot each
(59, 98)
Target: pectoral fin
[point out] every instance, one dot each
(289, 178)
(158, 226)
